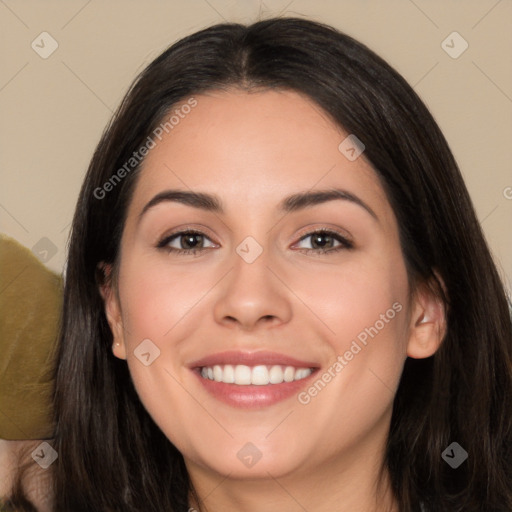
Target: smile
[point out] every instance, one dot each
(252, 380)
(260, 375)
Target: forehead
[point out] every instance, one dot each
(253, 148)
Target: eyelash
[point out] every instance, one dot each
(344, 242)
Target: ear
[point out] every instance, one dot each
(427, 324)
(112, 309)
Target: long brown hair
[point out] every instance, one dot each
(113, 457)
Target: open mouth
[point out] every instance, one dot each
(259, 375)
(253, 379)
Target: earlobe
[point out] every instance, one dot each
(428, 324)
(112, 310)
(118, 350)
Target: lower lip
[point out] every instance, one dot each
(252, 396)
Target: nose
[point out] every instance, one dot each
(253, 296)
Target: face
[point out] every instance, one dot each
(266, 321)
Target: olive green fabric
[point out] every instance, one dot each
(30, 303)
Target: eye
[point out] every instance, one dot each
(193, 242)
(324, 241)
(185, 242)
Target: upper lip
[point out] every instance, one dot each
(234, 357)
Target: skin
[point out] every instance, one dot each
(36, 481)
(252, 150)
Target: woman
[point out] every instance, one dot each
(278, 295)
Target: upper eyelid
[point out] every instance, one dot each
(340, 232)
(172, 236)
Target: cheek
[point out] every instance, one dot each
(155, 300)
(363, 305)
(362, 299)
(169, 403)
(159, 306)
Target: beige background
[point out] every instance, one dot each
(54, 110)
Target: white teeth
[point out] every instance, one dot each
(289, 374)
(228, 374)
(276, 375)
(260, 375)
(300, 374)
(242, 375)
(217, 373)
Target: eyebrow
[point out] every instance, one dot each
(293, 203)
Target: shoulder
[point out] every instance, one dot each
(36, 481)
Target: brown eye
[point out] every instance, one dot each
(185, 242)
(325, 241)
